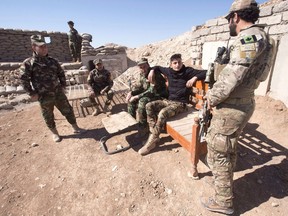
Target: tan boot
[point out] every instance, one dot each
(149, 145)
(210, 204)
(96, 111)
(77, 130)
(55, 135)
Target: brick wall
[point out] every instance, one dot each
(274, 15)
(15, 45)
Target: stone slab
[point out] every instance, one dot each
(118, 122)
(210, 50)
(280, 76)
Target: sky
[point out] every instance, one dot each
(131, 23)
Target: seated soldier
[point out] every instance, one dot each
(144, 92)
(180, 81)
(100, 82)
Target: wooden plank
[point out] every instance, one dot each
(180, 139)
(77, 92)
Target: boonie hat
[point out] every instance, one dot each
(97, 61)
(37, 40)
(241, 4)
(142, 61)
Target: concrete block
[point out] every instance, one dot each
(217, 29)
(209, 52)
(271, 20)
(211, 37)
(266, 11)
(204, 31)
(285, 16)
(212, 22)
(222, 21)
(195, 55)
(278, 29)
(223, 36)
(280, 7)
(279, 80)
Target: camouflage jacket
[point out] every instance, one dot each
(41, 75)
(143, 88)
(249, 64)
(74, 37)
(99, 80)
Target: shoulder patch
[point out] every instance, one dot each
(249, 39)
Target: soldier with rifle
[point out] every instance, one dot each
(205, 115)
(232, 98)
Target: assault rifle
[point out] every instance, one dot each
(205, 114)
(210, 78)
(205, 117)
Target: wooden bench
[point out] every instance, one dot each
(185, 127)
(75, 93)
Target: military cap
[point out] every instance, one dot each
(142, 61)
(37, 40)
(70, 22)
(97, 61)
(241, 4)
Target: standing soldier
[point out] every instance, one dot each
(100, 82)
(75, 42)
(232, 97)
(44, 80)
(144, 92)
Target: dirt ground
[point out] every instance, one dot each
(76, 177)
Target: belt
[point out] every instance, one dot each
(238, 101)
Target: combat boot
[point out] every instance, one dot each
(211, 205)
(55, 135)
(77, 130)
(149, 145)
(106, 106)
(96, 111)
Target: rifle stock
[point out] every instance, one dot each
(205, 117)
(205, 114)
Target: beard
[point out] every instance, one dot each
(232, 28)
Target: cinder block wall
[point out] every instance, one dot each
(15, 45)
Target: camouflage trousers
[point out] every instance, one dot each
(109, 96)
(139, 107)
(222, 138)
(58, 99)
(75, 50)
(159, 111)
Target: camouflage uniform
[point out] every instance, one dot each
(99, 80)
(48, 81)
(75, 42)
(233, 98)
(158, 111)
(146, 92)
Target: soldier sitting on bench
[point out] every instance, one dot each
(100, 83)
